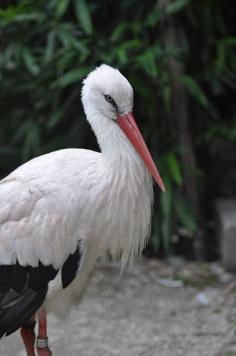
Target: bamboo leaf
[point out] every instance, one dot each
(30, 62)
(50, 47)
(222, 51)
(54, 119)
(83, 15)
(174, 168)
(154, 16)
(118, 31)
(71, 77)
(148, 62)
(176, 6)
(62, 6)
(195, 89)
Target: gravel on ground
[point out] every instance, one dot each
(153, 309)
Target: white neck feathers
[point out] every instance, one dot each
(130, 190)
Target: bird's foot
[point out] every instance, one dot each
(42, 347)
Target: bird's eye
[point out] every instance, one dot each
(109, 99)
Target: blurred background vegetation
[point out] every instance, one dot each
(180, 57)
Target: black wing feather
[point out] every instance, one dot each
(23, 290)
(17, 308)
(70, 268)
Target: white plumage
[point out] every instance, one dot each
(102, 201)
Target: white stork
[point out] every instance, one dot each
(59, 212)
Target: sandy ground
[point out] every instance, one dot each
(154, 309)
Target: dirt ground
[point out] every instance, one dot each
(154, 309)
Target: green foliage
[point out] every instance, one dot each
(195, 90)
(48, 47)
(83, 15)
(173, 208)
(174, 170)
(176, 6)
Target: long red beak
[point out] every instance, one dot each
(129, 127)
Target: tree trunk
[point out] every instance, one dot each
(170, 36)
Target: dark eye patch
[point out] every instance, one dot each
(111, 101)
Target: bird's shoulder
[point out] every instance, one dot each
(43, 181)
(70, 160)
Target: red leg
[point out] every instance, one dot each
(28, 337)
(42, 339)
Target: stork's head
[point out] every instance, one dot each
(107, 93)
